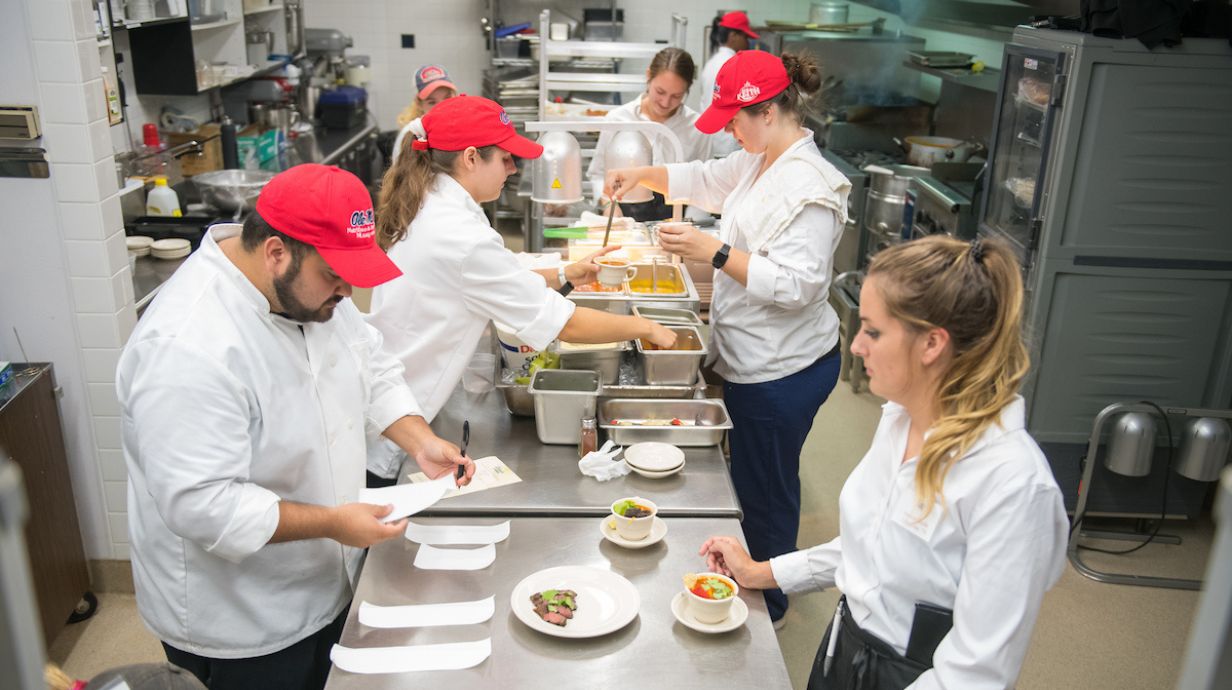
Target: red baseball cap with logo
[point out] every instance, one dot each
(738, 21)
(330, 209)
(747, 78)
(465, 121)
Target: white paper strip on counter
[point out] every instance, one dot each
(426, 615)
(427, 657)
(407, 499)
(432, 558)
(457, 534)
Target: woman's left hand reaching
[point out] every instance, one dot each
(586, 271)
(688, 242)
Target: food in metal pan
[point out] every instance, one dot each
(674, 421)
(555, 606)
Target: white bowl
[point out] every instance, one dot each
(712, 610)
(654, 457)
(634, 529)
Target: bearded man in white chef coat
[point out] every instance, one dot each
(246, 394)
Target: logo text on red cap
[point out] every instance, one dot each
(748, 92)
(362, 224)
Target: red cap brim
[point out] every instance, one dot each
(750, 33)
(434, 85)
(364, 268)
(715, 118)
(521, 147)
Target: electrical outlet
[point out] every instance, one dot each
(408, 40)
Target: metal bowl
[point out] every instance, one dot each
(232, 190)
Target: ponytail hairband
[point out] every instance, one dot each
(977, 250)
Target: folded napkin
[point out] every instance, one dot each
(602, 465)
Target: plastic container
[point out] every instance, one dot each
(563, 398)
(162, 200)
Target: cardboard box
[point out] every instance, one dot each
(210, 157)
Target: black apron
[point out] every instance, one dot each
(861, 661)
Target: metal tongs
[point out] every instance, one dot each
(611, 213)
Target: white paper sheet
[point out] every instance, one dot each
(432, 558)
(457, 534)
(490, 473)
(427, 657)
(427, 615)
(407, 499)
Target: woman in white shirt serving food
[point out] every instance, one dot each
(952, 527)
(773, 330)
(457, 274)
(668, 79)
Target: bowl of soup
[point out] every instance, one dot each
(710, 596)
(634, 517)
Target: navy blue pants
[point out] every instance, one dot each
(770, 421)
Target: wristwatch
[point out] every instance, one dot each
(565, 286)
(720, 257)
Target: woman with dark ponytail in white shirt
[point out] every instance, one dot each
(952, 527)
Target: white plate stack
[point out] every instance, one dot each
(654, 460)
(170, 249)
(139, 245)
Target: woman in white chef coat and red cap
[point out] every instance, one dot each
(457, 274)
(774, 333)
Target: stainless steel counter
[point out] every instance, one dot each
(148, 276)
(653, 651)
(551, 483)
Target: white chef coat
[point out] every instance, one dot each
(989, 552)
(710, 72)
(723, 143)
(227, 409)
(457, 276)
(782, 321)
(695, 144)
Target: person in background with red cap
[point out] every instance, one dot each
(246, 394)
(729, 34)
(457, 274)
(775, 335)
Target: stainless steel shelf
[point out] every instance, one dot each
(601, 49)
(987, 80)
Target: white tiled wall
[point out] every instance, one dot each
(64, 276)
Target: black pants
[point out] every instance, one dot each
(302, 666)
(376, 481)
(862, 661)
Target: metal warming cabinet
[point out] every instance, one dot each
(1111, 176)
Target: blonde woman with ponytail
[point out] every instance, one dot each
(952, 527)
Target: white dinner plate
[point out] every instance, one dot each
(658, 530)
(680, 609)
(656, 475)
(654, 457)
(606, 602)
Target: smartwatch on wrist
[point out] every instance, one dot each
(565, 286)
(720, 257)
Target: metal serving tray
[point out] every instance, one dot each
(675, 367)
(563, 398)
(668, 316)
(605, 361)
(704, 421)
